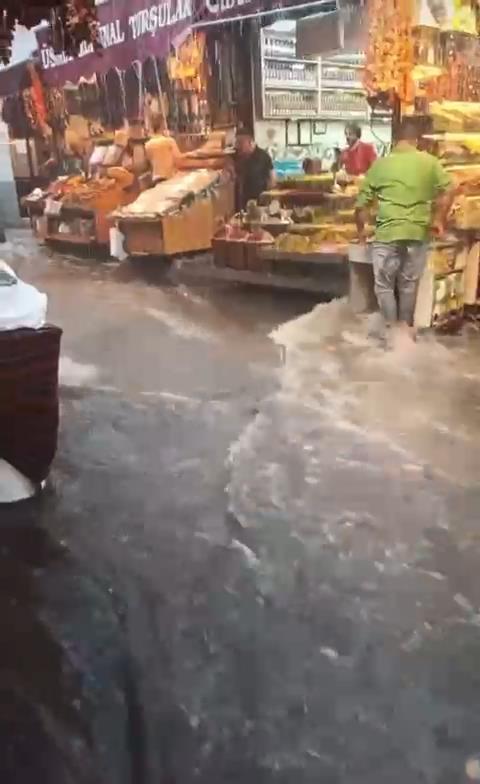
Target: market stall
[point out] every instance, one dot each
(302, 228)
(75, 208)
(423, 61)
(176, 216)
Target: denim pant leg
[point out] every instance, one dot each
(411, 270)
(386, 263)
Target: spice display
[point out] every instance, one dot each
(98, 193)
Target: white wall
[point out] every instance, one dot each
(270, 134)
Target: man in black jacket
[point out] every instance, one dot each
(254, 169)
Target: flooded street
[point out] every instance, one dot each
(259, 556)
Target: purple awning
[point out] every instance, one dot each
(15, 78)
(131, 30)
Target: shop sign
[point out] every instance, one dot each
(223, 10)
(130, 30)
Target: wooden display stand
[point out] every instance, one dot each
(189, 230)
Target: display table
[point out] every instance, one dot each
(177, 216)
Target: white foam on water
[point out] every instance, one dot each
(417, 397)
(75, 374)
(181, 327)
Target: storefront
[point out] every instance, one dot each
(423, 61)
(305, 94)
(152, 73)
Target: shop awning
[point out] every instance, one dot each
(14, 78)
(130, 30)
(133, 30)
(216, 11)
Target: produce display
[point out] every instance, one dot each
(96, 193)
(169, 196)
(233, 232)
(312, 182)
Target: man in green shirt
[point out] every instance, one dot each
(413, 194)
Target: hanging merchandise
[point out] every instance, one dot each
(74, 23)
(88, 95)
(390, 53)
(133, 92)
(150, 77)
(13, 115)
(115, 99)
(57, 116)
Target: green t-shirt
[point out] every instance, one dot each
(404, 184)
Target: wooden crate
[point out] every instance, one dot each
(143, 238)
(189, 230)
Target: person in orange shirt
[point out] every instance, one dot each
(162, 152)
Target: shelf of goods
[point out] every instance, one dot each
(290, 86)
(451, 279)
(176, 216)
(300, 229)
(342, 95)
(306, 89)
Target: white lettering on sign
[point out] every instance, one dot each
(219, 7)
(147, 21)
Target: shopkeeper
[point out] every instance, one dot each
(162, 152)
(254, 169)
(358, 156)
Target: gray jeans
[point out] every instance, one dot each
(397, 268)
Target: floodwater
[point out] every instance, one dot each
(258, 560)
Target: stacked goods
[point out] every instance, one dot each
(314, 238)
(98, 193)
(312, 182)
(390, 49)
(233, 232)
(466, 179)
(455, 115)
(169, 196)
(466, 212)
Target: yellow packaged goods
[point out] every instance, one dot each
(455, 115)
(314, 182)
(466, 212)
(465, 178)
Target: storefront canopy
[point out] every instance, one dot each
(15, 78)
(133, 30)
(130, 30)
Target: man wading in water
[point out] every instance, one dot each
(413, 194)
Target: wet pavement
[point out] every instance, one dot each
(258, 559)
